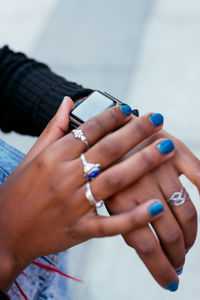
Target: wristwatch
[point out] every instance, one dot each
(90, 106)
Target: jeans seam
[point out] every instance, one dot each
(4, 172)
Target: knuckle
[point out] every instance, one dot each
(112, 182)
(94, 125)
(44, 162)
(190, 215)
(108, 149)
(101, 230)
(146, 246)
(173, 236)
(114, 116)
(141, 126)
(148, 158)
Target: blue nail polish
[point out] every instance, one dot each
(63, 99)
(126, 109)
(156, 119)
(156, 208)
(79, 102)
(179, 272)
(173, 286)
(186, 252)
(166, 146)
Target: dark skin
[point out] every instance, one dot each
(43, 208)
(177, 228)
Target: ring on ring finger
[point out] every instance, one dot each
(89, 196)
(178, 198)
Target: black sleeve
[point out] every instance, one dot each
(3, 296)
(30, 93)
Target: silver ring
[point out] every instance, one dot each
(90, 170)
(78, 134)
(90, 197)
(178, 198)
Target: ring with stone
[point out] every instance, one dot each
(89, 196)
(78, 134)
(90, 170)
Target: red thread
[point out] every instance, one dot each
(52, 269)
(19, 288)
(13, 290)
(25, 275)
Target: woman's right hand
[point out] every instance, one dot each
(43, 207)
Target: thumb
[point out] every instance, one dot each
(58, 126)
(55, 129)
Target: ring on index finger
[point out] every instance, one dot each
(78, 134)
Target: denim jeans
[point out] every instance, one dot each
(35, 282)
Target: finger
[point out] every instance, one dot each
(185, 158)
(55, 129)
(166, 228)
(185, 213)
(58, 125)
(130, 170)
(114, 146)
(96, 128)
(99, 226)
(152, 255)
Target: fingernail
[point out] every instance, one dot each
(156, 119)
(63, 99)
(173, 286)
(79, 102)
(166, 146)
(126, 109)
(135, 112)
(179, 272)
(156, 208)
(186, 252)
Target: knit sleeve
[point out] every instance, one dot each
(30, 93)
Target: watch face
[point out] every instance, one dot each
(93, 105)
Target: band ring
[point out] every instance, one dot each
(78, 134)
(90, 170)
(178, 198)
(89, 196)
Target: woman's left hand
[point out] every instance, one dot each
(176, 230)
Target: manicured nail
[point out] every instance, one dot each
(156, 208)
(79, 102)
(126, 109)
(63, 99)
(135, 112)
(179, 272)
(173, 286)
(156, 119)
(166, 146)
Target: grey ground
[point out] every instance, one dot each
(144, 52)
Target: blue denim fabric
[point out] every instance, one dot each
(36, 283)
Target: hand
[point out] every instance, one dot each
(177, 228)
(43, 207)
